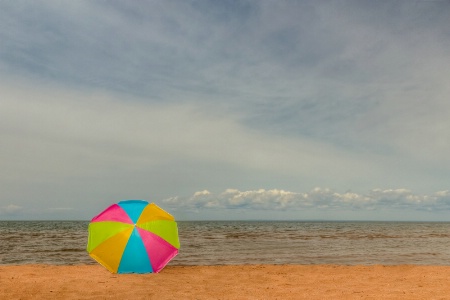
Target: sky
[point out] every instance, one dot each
(286, 110)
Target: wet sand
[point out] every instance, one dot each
(227, 282)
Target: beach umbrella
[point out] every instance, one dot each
(133, 236)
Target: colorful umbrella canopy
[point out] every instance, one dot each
(133, 236)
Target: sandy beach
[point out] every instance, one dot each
(227, 282)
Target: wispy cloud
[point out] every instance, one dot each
(98, 136)
(10, 210)
(342, 72)
(60, 209)
(118, 99)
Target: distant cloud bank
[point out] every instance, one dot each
(318, 198)
(10, 209)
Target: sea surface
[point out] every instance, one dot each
(247, 242)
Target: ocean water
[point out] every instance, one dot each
(233, 242)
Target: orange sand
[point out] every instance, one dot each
(227, 282)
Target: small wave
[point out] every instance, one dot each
(72, 250)
(241, 235)
(436, 235)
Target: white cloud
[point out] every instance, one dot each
(317, 198)
(202, 193)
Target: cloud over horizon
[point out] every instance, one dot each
(318, 198)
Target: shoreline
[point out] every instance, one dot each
(41, 281)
